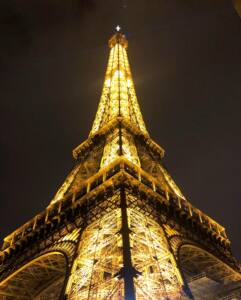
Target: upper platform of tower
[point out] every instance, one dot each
(118, 98)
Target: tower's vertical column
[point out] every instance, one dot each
(70, 269)
(128, 272)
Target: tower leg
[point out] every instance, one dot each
(185, 288)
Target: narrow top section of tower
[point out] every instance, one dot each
(118, 98)
(118, 38)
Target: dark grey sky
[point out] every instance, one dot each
(186, 63)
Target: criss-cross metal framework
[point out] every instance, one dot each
(37, 279)
(119, 227)
(118, 95)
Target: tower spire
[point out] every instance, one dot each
(118, 98)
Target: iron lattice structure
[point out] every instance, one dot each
(119, 227)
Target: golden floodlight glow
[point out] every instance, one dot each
(118, 99)
(118, 95)
(96, 273)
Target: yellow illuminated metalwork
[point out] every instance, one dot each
(112, 148)
(95, 271)
(64, 188)
(119, 139)
(118, 96)
(159, 277)
(171, 182)
(129, 148)
(118, 99)
(40, 279)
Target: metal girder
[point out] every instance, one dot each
(198, 261)
(33, 277)
(97, 272)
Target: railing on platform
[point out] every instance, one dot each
(121, 164)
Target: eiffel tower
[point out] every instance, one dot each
(119, 227)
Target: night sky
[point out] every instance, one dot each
(186, 63)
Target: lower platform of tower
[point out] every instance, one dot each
(116, 242)
(123, 254)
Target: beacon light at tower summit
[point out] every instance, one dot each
(119, 227)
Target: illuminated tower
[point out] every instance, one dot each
(119, 227)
